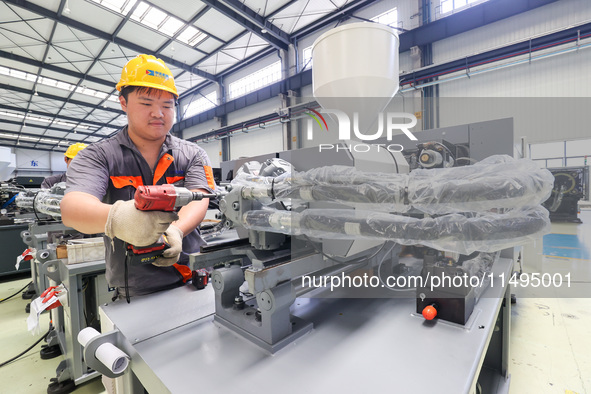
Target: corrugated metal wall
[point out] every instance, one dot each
(559, 79)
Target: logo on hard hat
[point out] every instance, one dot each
(157, 74)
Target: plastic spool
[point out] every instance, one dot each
(356, 70)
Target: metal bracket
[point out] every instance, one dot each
(90, 350)
(51, 270)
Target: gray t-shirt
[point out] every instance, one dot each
(112, 169)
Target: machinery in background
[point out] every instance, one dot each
(571, 184)
(14, 219)
(338, 220)
(438, 154)
(84, 281)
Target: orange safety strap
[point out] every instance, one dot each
(122, 181)
(185, 271)
(172, 179)
(163, 164)
(209, 177)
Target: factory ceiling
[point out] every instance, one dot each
(60, 59)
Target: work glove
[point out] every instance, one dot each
(139, 228)
(174, 237)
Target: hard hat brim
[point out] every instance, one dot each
(149, 85)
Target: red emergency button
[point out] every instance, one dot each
(429, 312)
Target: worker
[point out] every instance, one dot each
(102, 181)
(71, 152)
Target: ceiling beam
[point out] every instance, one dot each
(47, 47)
(17, 122)
(58, 98)
(24, 147)
(178, 33)
(50, 115)
(335, 16)
(258, 20)
(239, 16)
(200, 13)
(278, 10)
(16, 145)
(34, 8)
(51, 67)
(95, 60)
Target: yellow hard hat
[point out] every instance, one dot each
(74, 149)
(147, 71)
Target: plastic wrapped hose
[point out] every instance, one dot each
(480, 266)
(495, 182)
(25, 200)
(48, 203)
(465, 234)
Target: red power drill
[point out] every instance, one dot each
(160, 198)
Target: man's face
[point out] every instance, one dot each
(150, 114)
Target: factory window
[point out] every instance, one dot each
(307, 58)
(389, 18)
(448, 6)
(199, 105)
(255, 81)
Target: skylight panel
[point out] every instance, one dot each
(120, 6)
(48, 81)
(171, 26)
(55, 84)
(64, 85)
(191, 36)
(152, 17)
(140, 11)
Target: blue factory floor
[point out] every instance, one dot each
(550, 337)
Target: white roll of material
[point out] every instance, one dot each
(107, 353)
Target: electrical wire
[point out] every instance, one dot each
(7, 298)
(24, 352)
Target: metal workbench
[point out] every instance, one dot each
(37, 237)
(357, 345)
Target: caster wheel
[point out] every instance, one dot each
(49, 352)
(56, 387)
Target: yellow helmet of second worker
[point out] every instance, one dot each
(73, 149)
(149, 72)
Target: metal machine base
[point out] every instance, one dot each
(300, 327)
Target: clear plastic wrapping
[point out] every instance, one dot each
(465, 234)
(480, 266)
(48, 203)
(25, 199)
(496, 182)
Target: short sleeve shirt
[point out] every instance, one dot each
(112, 169)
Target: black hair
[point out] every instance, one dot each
(127, 90)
